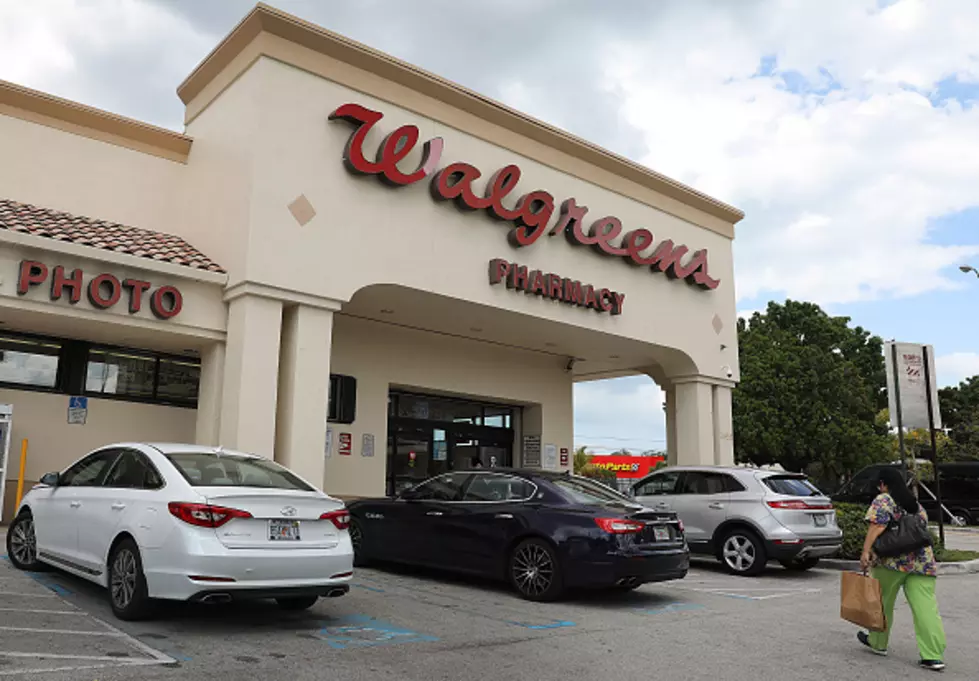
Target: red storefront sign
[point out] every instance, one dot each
(103, 290)
(555, 287)
(531, 213)
(625, 466)
(564, 456)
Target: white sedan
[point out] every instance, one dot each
(185, 522)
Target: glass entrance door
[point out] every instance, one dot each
(428, 436)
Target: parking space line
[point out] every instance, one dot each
(23, 595)
(75, 668)
(73, 632)
(46, 612)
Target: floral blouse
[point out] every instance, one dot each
(921, 562)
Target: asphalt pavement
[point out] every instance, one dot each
(415, 625)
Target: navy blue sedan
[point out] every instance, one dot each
(543, 532)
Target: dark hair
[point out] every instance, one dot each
(897, 487)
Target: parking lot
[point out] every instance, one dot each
(420, 625)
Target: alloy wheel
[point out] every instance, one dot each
(23, 543)
(533, 570)
(739, 553)
(356, 536)
(124, 575)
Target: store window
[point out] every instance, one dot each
(120, 373)
(29, 362)
(179, 380)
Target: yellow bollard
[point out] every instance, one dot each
(20, 480)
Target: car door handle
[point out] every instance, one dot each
(504, 516)
(118, 506)
(715, 505)
(75, 504)
(434, 513)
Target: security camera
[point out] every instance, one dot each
(729, 372)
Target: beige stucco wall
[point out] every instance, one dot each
(402, 236)
(381, 356)
(203, 316)
(53, 444)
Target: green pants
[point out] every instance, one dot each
(920, 592)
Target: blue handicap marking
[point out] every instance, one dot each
(48, 583)
(78, 403)
(358, 631)
(369, 588)
(668, 608)
(556, 624)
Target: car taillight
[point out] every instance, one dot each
(680, 523)
(619, 525)
(341, 518)
(799, 505)
(204, 515)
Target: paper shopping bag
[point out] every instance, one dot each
(860, 601)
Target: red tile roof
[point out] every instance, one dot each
(109, 236)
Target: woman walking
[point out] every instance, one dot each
(916, 572)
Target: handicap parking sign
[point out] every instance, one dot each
(77, 410)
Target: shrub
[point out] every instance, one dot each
(850, 518)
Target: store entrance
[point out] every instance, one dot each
(429, 435)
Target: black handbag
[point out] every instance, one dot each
(906, 534)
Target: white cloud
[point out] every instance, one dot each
(956, 367)
(619, 413)
(840, 185)
(51, 45)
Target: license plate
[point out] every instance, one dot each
(820, 520)
(283, 530)
(661, 533)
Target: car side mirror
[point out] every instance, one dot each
(51, 479)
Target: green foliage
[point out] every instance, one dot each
(811, 389)
(850, 518)
(960, 413)
(581, 459)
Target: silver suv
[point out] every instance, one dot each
(746, 516)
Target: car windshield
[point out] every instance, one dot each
(216, 469)
(792, 486)
(584, 491)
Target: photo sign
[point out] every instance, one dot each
(909, 381)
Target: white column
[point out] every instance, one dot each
(251, 375)
(209, 395)
(694, 423)
(670, 426)
(304, 387)
(723, 426)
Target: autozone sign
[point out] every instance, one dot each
(625, 466)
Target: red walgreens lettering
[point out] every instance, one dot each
(531, 213)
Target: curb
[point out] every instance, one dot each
(966, 567)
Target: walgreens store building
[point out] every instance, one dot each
(345, 263)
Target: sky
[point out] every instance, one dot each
(845, 129)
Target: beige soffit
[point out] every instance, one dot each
(44, 109)
(238, 51)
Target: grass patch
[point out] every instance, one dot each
(955, 556)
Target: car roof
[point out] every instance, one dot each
(187, 448)
(734, 470)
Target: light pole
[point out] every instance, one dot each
(969, 268)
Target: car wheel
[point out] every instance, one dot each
(357, 540)
(535, 571)
(128, 594)
(800, 565)
(743, 553)
(22, 544)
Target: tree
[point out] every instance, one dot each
(960, 414)
(811, 389)
(917, 442)
(583, 466)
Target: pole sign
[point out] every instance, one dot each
(910, 387)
